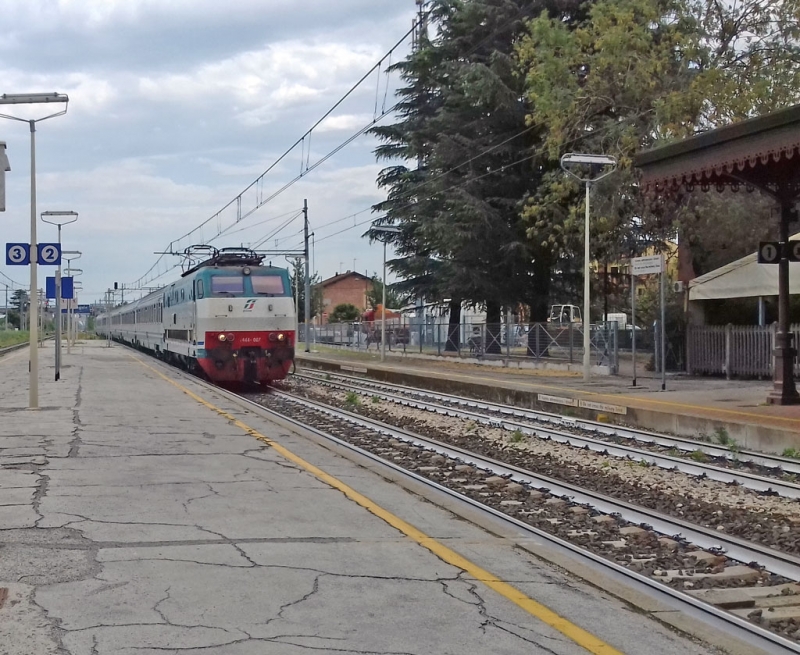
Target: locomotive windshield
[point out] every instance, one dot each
(227, 285)
(268, 285)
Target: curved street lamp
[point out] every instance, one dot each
(59, 218)
(592, 162)
(33, 99)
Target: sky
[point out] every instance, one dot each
(175, 107)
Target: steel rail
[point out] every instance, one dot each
(738, 549)
(763, 459)
(697, 469)
(743, 629)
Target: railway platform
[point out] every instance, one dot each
(692, 407)
(143, 512)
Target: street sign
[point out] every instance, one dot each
(49, 254)
(793, 251)
(84, 309)
(66, 288)
(769, 252)
(18, 254)
(647, 265)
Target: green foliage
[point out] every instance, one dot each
(352, 399)
(517, 436)
(722, 436)
(699, 456)
(344, 313)
(491, 102)
(376, 400)
(632, 74)
(297, 275)
(792, 453)
(394, 300)
(13, 337)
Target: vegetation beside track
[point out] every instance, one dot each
(12, 337)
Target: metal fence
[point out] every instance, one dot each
(554, 342)
(734, 350)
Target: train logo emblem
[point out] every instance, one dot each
(248, 306)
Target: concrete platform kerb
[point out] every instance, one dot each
(691, 407)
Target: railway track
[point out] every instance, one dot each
(757, 471)
(747, 589)
(744, 584)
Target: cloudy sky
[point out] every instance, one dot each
(175, 107)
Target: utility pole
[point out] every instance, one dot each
(307, 299)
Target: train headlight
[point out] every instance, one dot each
(281, 337)
(230, 336)
(222, 337)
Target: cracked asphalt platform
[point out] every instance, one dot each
(135, 520)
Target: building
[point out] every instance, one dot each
(345, 288)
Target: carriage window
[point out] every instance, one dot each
(268, 285)
(200, 292)
(227, 285)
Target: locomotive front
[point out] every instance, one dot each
(245, 323)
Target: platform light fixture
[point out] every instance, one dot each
(59, 219)
(34, 99)
(606, 165)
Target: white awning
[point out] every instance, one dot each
(744, 278)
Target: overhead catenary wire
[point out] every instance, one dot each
(300, 141)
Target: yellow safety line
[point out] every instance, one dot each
(577, 634)
(637, 403)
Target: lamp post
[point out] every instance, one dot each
(593, 162)
(59, 219)
(32, 99)
(71, 272)
(386, 229)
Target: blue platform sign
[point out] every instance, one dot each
(84, 309)
(49, 254)
(18, 254)
(67, 288)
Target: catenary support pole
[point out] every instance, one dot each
(307, 299)
(663, 327)
(587, 323)
(633, 322)
(383, 307)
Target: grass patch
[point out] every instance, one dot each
(12, 337)
(517, 436)
(352, 399)
(699, 456)
(376, 400)
(722, 436)
(793, 453)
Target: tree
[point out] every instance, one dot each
(632, 74)
(462, 238)
(344, 313)
(19, 301)
(297, 275)
(375, 295)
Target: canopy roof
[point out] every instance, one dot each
(744, 278)
(752, 152)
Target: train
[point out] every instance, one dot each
(229, 318)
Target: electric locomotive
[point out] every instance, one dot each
(229, 317)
